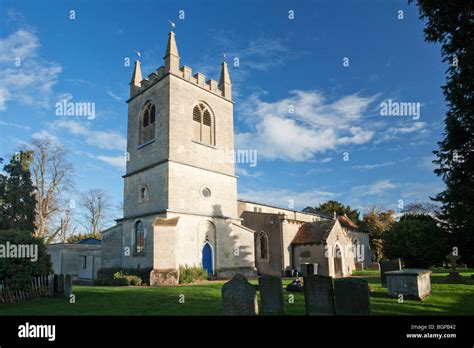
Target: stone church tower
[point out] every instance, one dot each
(180, 195)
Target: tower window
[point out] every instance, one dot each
(203, 124)
(147, 123)
(139, 238)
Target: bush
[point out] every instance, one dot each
(417, 240)
(191, 274)
(123, 276)
(19, 271)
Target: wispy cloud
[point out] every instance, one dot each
(32, 81)
(378, 187)
(113, 95)
(115, 161)
(14, 125)
(247, 173)
(104, 140)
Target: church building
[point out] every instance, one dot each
(180, 197)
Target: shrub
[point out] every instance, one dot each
(191, 274)
(19, 271)
(417, 240)
(123, 276)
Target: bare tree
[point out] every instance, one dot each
(97, 208)
(52, 177)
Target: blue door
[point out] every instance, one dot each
(207, 258)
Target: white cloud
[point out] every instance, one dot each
(44, 134)
(30, 83)
(377, 188)
(297, 127)
(244, 172)
(113, 95)
(101, 139)
(393, 133)
(116, 161)
(14, 125)
(326, 160)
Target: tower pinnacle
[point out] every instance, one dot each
(224, 82)
(135, 82)
(171, 55)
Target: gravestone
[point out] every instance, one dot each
(271, 294)
(388, 266)
(319, 295)
(359, 266)
(61, 284)
(239, 297)
(411, 283)
(453, 277)
(352, 296)
(67, 286)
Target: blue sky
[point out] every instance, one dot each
(282, 62)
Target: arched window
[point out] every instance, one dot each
(263, 245)
(139, 238)
(203, 124)
(147, 123)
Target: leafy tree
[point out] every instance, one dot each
(418, 240)
(334, 206)
(451, 23)
(19, 271)
(17, 198)
(81, 236)
(376, 222)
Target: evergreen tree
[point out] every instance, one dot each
(334, 206)
(17, 194)
(451, 23)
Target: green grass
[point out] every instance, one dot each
(205, 299)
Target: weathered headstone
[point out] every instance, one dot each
(411, 283)
(388, 266)
(359, 266)
(271, 294)
(319, 295)
(352, 296)
(67, 286)
(61, 284)
(239, 297)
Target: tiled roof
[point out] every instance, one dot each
(313, 232)
(346, 222)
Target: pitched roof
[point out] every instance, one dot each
(91, 241)
(346, 222)
(314, 232)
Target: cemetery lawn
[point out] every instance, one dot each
(205, 299)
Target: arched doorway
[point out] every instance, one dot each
(337, 262)
(207, 259)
